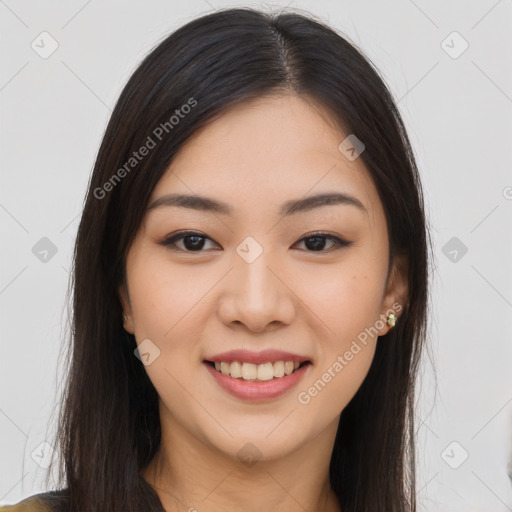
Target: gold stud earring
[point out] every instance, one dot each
(391, 319)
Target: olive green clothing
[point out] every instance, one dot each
(40, 502)
(31, 504)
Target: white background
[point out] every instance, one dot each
(458, 115)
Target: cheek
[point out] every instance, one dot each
(346, 304)
(346, 298)
(166, 298)
(334, 383)
(167, 305)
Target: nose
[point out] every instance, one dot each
(258, 296)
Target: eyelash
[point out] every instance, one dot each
(171, 241)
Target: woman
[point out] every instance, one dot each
(250, 283)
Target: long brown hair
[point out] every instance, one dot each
(108, 426)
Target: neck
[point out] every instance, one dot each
(188, 474)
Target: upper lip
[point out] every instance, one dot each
(264, 356)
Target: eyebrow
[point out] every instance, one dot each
(291, 207)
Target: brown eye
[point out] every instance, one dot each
(316, 242)
(192, 241)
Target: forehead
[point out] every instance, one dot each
(265, 151)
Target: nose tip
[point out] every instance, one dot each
(257, 298)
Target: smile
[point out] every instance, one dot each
(248, 386)
(256, 372)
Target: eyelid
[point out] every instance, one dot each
(170, 240)
(339, 242)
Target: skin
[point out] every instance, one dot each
(194, 304)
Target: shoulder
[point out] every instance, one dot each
(34, 503)
(41, 502)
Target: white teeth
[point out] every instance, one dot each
(235, 370)
(250, 371)
(288, 367)
(279, 369)
(265, 371)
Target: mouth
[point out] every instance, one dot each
(259, 381)
(250, 372)
(257, 376)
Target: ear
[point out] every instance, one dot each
(124, 297)
(396, 294)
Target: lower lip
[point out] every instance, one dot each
(257, 391)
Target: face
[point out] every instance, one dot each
(302, 284)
